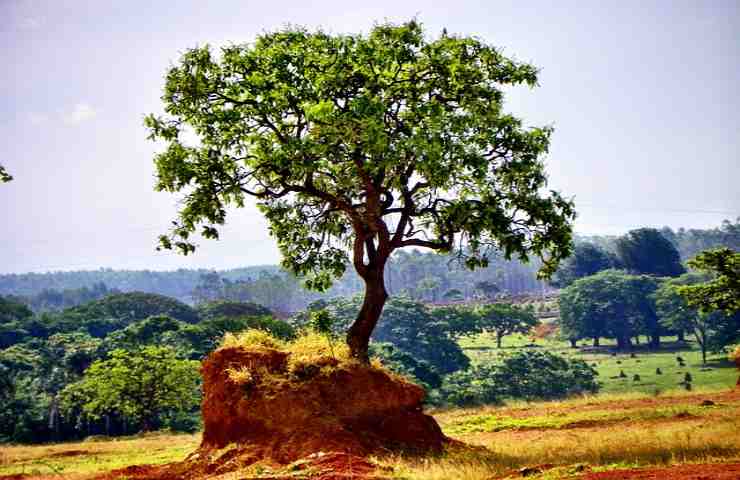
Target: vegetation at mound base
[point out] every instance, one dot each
(706, 434)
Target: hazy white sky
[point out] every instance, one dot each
(643, 97)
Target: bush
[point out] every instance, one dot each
(474, 386)
(537, 375)
(402, 363)
(527, 374)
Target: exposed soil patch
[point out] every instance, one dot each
(712, 471)
(70, 453)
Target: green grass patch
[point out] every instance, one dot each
(494, 423)
(718, 374)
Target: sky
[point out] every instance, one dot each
(642, 95)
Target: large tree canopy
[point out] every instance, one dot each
(355, 146)
(587, 259)
(647, 251)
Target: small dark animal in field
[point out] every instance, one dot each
(687, 378)
(658, 371)
(687, 386)
(638, 361)
(619, 362)
(622, 374)
(636, 378)
(632, 355)
(679, 359)
(707, 403)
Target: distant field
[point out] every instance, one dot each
(719, 373)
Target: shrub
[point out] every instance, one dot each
(527, 374)
(533, 375)
(402, 363)
(474, 386)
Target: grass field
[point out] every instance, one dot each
(719, 373)
(650, 421)
(569, 437)
(598, 433)
(80, 459)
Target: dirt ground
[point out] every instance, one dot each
(715, 471)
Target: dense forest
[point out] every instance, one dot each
(419, 275)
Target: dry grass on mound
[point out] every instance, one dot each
(309, 353)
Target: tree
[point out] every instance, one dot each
(141, 385)
(587, 259)
(505, 319)
(647, 251)
(132, 306)
(4, 175)
(723, 291)
(676, 315)
(488, 288)
(356, 146)
(610, 304)
(536, 375)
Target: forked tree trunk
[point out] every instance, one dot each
(358, 335)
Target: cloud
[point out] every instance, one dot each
(81, 112)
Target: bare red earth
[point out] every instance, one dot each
(718, 471)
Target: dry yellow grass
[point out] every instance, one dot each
(78, 459)
(708, 437)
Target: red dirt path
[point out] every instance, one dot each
(710, 471)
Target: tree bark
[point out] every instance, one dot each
(499, 336)
(358, 335)
(573, 343)
(624, 343)
(596, 341)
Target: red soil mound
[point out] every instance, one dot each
(320, 407)
(323, 417)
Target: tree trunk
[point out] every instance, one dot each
(573, 343)
(655, 342)
(499, 336)
(358, 335)
(624, 343)
(681, 336)
(596, 341)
